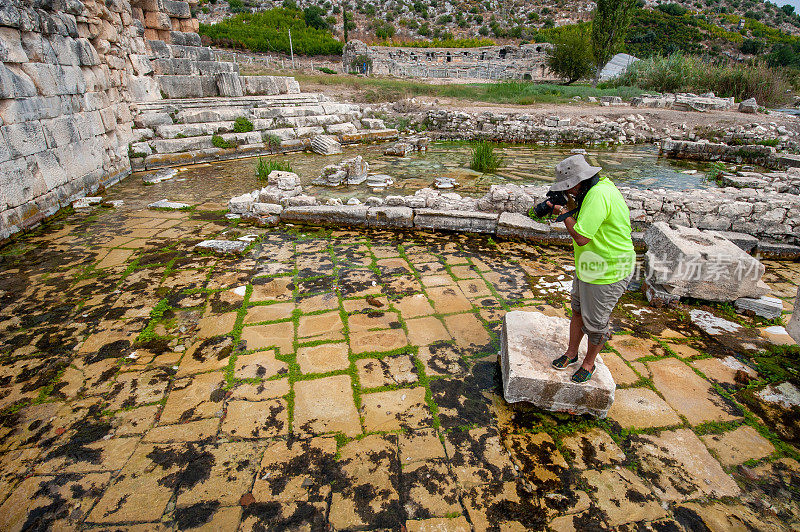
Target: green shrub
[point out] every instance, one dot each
(267, 32)
(271, 140)
(684, 73)
(242, 125)
(484, 159)
(219, 142)
(437, 43)
(266, 167)
(326, 70)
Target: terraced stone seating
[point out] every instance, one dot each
(173, 130)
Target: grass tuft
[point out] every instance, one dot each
(484, 158)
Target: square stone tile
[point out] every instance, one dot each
(414, 306)
(52, 503)
(428, 330)
(594, 449)
(738, 446)
(442, 358)
(439, 524)
(467, 330)
(136, 388)
(256, 419)
(325, 405)
(475, 289)
(272, 289)
(477, 457)
(206, 355)
(216, 324)
(448, 299)
(723, 370)
(194, 397)
(393, 266)
(326, 326)
(259, 365)
(428, 268)
(680, 467)
(213, 517)
(226, 472)
(631, 347)
(278, 311)
(315, 303)
(498, 505)
(395, 409)
(323, 358)
(377, 341)
(538, 460)
(442, 279)
(286, 516)
(641, 408)
(420, 445)
(368, 305)
(401, 285)
(373, 320)
(637, 504)
(135, 421)
(367, 497)
(296, 470)
(429, 490)
(621, 372)
(280, 335)
(386, 371)
(261, 391)
(202, 429)
(688, 394)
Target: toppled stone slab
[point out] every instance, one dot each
(711, 324)
(241, 204)
(701, 264)
(442, 182)
(86, 202)
(352, 171)
(396, 217)
(658, 296)
(745, 242)
(266, 209)
(764, 306)
(793, 328)
(530, 342)
(167, 204)
(325, 145)
(464, 221)
(379, 181)
(786, 394)
(223, 246)
(779, 251)
(283, 180)
(749, 106)
(353, 215)
(516, 225)
(157, 177)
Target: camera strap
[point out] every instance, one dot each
(573, 212)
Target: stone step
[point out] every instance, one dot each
(193, 50)
(260, 102)
(184, 67)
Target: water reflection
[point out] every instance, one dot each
(636, 166)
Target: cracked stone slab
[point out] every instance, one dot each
(223, 246)
(530, 342)
(167, 204)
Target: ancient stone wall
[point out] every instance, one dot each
(68, 72)
(527, 62)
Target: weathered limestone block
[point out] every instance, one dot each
(241, 204)
(266, 209)
(283, 180)
(353, 215)
(749, 106)
(167, 204)
(462, 221)
(325, 145)
(529, 343)
(701, 264)
(396, 217)
(223, 246)
(181, 86)
(793, 328)
(516, 225)
(764, 306)
(229, 84)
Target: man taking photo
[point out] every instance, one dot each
(600, 227)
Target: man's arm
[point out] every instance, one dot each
(570, 222)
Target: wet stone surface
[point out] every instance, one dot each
(348, 380)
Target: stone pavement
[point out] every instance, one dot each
(349, 380)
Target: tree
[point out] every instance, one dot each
(313, 16)
(611, 21)
(571, 56)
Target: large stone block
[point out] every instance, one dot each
(395, 217)
(229, 84)
(352, 215)
(530, 342)
(462, 221)
(793, 328)
(701, 264)
(15, 84)
(325, 145)
(516, 225)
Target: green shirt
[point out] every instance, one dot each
(605, 220)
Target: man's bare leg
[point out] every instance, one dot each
(575, 335)
(591, 354)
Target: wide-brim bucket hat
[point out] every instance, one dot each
(572, 171)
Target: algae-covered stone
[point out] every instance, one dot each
(794, 324)
(530, 342)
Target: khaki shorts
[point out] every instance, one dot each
(594, 302)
